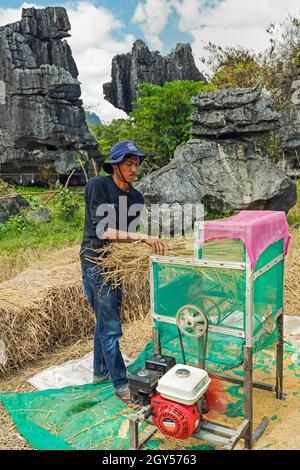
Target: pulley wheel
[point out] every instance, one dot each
(191, 321)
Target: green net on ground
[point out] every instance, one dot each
(90, 417)
(81, 417)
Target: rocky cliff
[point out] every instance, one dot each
(142, 65)
(42, 121)
(290, 123)
(226, 164)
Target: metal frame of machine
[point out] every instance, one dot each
(222, 435)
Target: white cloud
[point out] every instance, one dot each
(10, 15)
(152, 17)
(140, 13)
(93, 48)
(95, 25)
(245, 14)
(189, 13)
(231, 22)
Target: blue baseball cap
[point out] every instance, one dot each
(119, 151)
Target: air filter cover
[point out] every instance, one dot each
(184, 384)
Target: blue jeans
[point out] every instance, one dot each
(106, 303)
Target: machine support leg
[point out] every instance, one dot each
(133, 433)
(248, 409)
(156, 341)
(135, 441)
(279, 360)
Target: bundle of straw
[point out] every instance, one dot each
(127, 265)
(41, 309)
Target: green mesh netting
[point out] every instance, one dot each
(90, 417)
(87, 417)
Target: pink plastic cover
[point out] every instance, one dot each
(257, 229)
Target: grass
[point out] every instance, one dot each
(18, 188)
(21, 234)
(21, 239)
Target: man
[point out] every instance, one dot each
(107, 219)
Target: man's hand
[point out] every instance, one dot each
(158, 246)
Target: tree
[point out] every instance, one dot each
(283, 56)
(236, 67)
(158, 122)
(109, 134)
(274, 69)
(160, 117)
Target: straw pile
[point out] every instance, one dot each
(127, 265)
(292, 277)
(39, 311)
(14, 263)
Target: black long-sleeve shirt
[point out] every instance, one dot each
(103, 190)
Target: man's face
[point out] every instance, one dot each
(129, 166)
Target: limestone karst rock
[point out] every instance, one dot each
(290, 130)
(42, 121)
(142, 65)
(11, 203)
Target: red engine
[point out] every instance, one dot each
(174, 419)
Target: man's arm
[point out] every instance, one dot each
(95, 196)
(128, 237)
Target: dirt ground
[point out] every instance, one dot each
(283, 428)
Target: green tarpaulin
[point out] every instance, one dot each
(90, 417)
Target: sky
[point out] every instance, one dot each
(100, 29)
